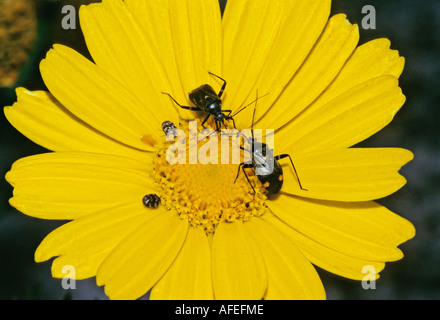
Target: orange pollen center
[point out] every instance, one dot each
(206, 194)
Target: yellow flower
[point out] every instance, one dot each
(210, 237)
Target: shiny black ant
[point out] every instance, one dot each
(267, 168)
(205, 99)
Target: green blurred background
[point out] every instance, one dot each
(413, 26)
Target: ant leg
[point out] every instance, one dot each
(222, 122)
(238, 171)
(228, 117)
(190, 108)
(205, 121)
(282, 156)
(222, 89)
(247, 178)
(223, 86)
(245, 166)
(183, 107)
(233, 121)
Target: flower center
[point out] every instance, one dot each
(206, 194)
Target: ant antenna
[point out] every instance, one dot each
(253, 115)
(248, 104)
(198, 141)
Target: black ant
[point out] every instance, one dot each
(267, 168)
(205, 99)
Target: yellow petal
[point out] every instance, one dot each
(136, 264)
(288, 51)
(189, 277)
(347, 119)
(289, 274)
(196, 34)
(45, 121)
(238, 270)
(370, 60)
(353, 174)
(363, 230)
(86, 242)
(98, 99)
(249, 31)
(119, 46)
(154, 17)
(323, 256)
(65, 185)
(324, 62)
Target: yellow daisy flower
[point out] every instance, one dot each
(210, 237)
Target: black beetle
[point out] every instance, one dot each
(205, 99)
(151, 200)
(267, 168)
